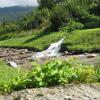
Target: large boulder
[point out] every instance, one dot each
(12, 64)
(91, 55)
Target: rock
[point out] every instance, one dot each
(91, 55)
(86, 53)
(66, 52)
(68, 98)
(12, 64)
(82, 55)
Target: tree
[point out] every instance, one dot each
(48, 3)
(59, 17)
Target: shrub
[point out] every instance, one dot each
(8, 27)
(97, 70)
(34, 19)
(58, 72)
(48, 3)
(59, 17)
(93, 22)
(72, 26)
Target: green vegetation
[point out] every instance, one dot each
(7, 75)
(58, 72)
(59, 13)
(76, 20)
(55, 72)
(76, 41)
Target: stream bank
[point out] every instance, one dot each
(22, 57)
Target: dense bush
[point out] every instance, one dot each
(58, 72)
(92, 22)
(96, 10)
(8, 27)
(36, 18)
(48, 3)
(79, 10)
(59, 17)
(72, 25)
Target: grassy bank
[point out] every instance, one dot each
(8, 75)
(77, 41)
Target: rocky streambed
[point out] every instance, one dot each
(22, 57)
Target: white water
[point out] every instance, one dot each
(52, 51)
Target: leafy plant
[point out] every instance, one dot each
(97, 72)
(59, 17)
(72, 25)
(60, 72)
(54, 72)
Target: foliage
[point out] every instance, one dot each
(48, 3)
(58, 13)
(72, 25)
(97, 70)
(36, 19)
(9, 77)
(92, 22)
(78, 10)
(59, 17)
(60, 72)
(54, 72)
(76, 41)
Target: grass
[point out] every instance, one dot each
(84, 40)
(79, 41)
(7, 74)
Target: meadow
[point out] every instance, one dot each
(87, 40)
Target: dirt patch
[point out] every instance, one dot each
(70, 92)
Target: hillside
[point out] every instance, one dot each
(13, 13)
(75, 41)
(28, 70)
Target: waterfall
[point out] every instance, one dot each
(52, 51)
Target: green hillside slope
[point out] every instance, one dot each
(79, 41)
